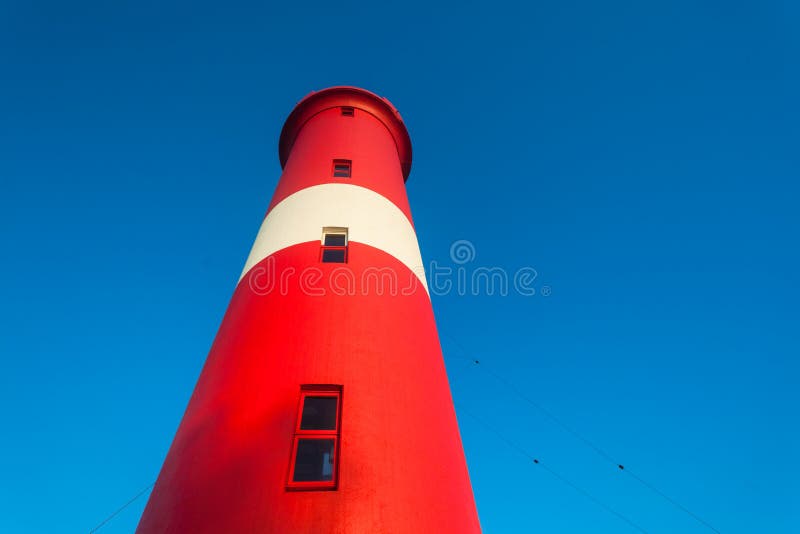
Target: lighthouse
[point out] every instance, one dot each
(323, 405)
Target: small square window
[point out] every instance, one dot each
(319, 412)
(348, 111)
(335, 240)
(334, 255)
(342, 168)
(314, 460)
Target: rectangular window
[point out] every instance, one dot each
(334, 245)
(315, 449)
(342, 168)
(348, 111)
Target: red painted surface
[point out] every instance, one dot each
(363, 139)
(401, 466)
(353, 97)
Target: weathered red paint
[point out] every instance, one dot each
(401, 465)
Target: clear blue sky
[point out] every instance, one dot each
(641, 156)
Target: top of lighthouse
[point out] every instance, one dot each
(354, 97)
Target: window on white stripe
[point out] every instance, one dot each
(334, 245)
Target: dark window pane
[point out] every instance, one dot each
(314, 461)
(319, 413)
(333, 255)
(347, 111)
(335, 240)
(341, 168)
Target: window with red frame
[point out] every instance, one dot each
(334, 245)
(348, 111)
(315, 449)
(342, 168)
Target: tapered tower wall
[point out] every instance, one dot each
(363, 327)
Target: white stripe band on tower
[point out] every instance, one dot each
(371, 219)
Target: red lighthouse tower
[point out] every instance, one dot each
(323, 406)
